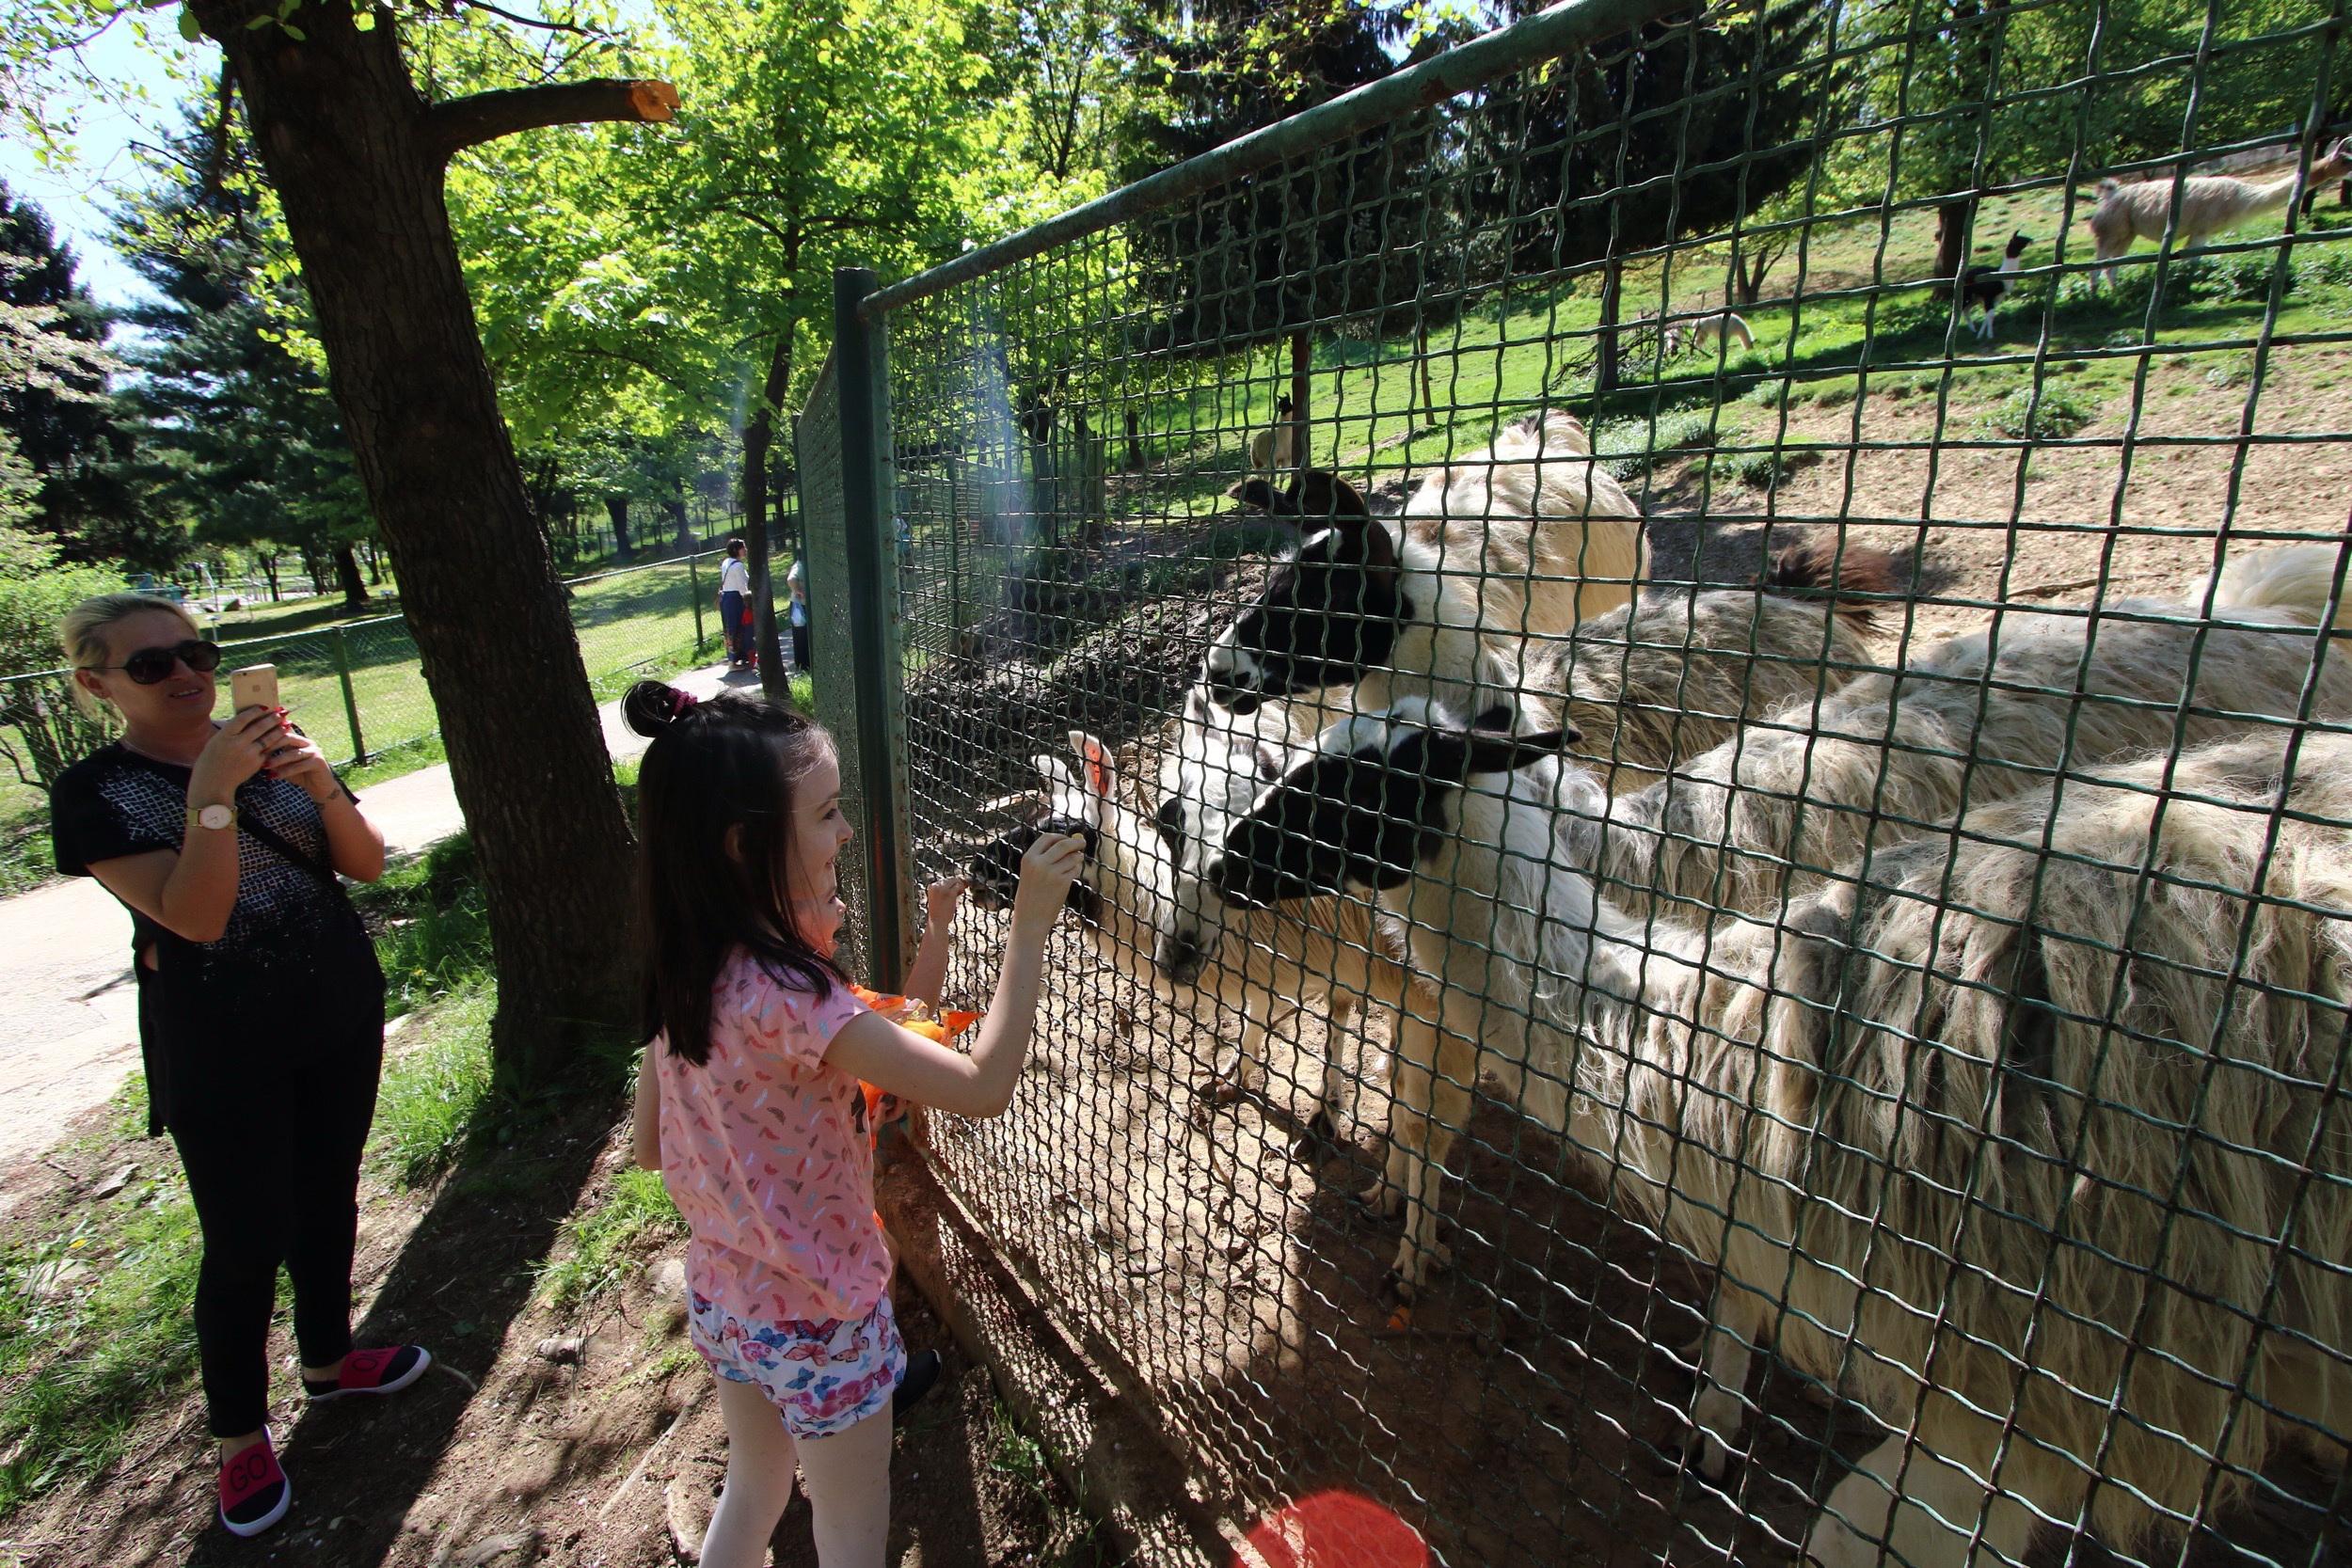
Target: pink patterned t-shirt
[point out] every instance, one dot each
(765, 1152)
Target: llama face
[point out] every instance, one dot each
(1328, 614)
(1207, 782)
(1374, 800)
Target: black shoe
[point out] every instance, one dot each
(922, 1371)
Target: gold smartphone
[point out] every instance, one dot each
(255, 685)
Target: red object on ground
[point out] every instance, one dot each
(1335, 1529)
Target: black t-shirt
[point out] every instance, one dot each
(116, 802)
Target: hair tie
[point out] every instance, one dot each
(680, 702)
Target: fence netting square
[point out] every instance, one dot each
(1716, 920)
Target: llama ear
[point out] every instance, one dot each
(1056, 773)
(1269, 763)
(1095, 760)
(1488, 753)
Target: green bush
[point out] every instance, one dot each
(2052, 414)
(41, 730)
(1632, 448)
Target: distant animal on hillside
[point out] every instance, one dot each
(2209, 204)
(2310, 195)
(1274, 450)
(1983, 284)
(1701, 332)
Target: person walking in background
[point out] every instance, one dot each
(797, 580)
(735, 605)
(261, 1005)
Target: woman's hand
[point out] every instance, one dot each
(1051, 864)
(942, 900)
(236, 753)
(297, 757)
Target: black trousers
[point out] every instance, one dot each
(800, 649)
(270, 1115)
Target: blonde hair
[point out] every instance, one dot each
(83, 634)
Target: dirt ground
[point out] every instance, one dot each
(597, 1455)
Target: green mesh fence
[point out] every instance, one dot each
(1717, 925)
(356, 688)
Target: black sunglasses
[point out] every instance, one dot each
(154, 666)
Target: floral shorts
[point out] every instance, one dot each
(825, 1376)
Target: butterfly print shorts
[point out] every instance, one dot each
(824, 1375)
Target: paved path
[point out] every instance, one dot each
(71, 1036)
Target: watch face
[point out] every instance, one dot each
(216, 816)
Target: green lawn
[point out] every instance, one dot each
(629, 623)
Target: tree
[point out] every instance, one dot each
(817, 134)
(356, 156)
(241, 435)
(63, 426)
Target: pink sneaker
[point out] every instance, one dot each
(386, 1371)
(253, 1491)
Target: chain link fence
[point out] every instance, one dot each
(1718, 916)
(356, 688)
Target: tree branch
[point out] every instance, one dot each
(461, 123)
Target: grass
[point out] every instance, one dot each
(606, 1239)
(82, 1359)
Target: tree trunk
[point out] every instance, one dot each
(375, 564)
(1420, 358)
(616, 508)
(758, 436)
(1135, 442)
(347, 573)
(1951, 241)
(269, 571)
(1605, 364)
(315, 566)
(684, 529)
(344, 140)
(1302, 362)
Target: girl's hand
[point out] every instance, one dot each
(941, 898)
(236, 753)
(1051, 864)
(296, 756)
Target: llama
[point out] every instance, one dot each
(1670, 674)
(1274, 450)
(1983, 284)
(1979, 717)
(1517, 543)
(1328, 954)
(2209, 204)
(1942, 1156)
(1699, 332)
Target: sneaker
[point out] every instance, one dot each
(915, 1382)
(386, 1371)
(253, 1491)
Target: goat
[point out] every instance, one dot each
(1697, 332)
(1977, 718)
(2209, 204)
(1920, 1141)
(1142, 863)
(1274, 450)
(1516, 542)
(1983, 284)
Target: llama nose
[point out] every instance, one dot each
(1180, 953)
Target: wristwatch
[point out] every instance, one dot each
(215, 817)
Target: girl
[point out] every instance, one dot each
(261, 1005)
(749, 1101)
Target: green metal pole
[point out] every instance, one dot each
(694, 586)
(350, 697)
(862, 358)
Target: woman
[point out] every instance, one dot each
(735, 605)
(261, 1005)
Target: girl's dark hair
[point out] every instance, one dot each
(717, 765)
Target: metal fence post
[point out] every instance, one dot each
(350, 697)
(862, 356)
(694, 586)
